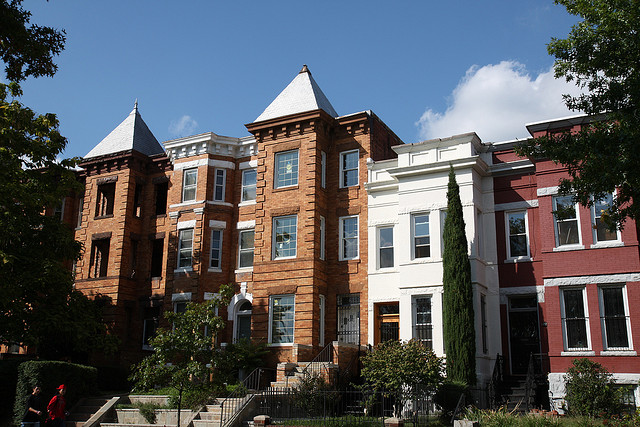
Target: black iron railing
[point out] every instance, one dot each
(496, 382)
(257, 380)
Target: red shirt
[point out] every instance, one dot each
(56, 407)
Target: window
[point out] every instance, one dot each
(281, 319)
(219, 184)
(106, 197)
(601, 232)
(150, 324)
(99, 258)
(385, 247)
(349, 237)
(614, 317)
(483, 321)
(348, 318)
(323, 169)
(323, 237)
(189, 185)
(216, 249)
(80, 211)
(58, 211)
(137, 201)
(249, 177)
(245, 257)
(421, 239)
(517, 236)
(185, 248)
(566, 221)
(284, 236)
(162, 189)
(574, 319)
(180, 306)
(157, 251)
(323, 304)
(349, 168)
(243, 321)
(286, 169)
(422, 326)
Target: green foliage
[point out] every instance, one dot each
(403, 370)
(245, 355)
(81, 381)
(314, 393)
(600, 54)
(590, 391)
(457, 299)
(27, 50)
(148, 411)
(183, 354)
(448, 395)
(502, 418)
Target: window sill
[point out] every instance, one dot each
(219, 203)
(183, 270)
(385, 270)
(186, 203)
(289, 344)
(429, 260)
(350, 259)
(517, 260)
(103, 216)
(214, 270)
(607, 244)
(244, 270)
(284, 258)
(568, 248)
(575, 353)
(285, 188)
(247, 203)
(147, 347)
(618, 353)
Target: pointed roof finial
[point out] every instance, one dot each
(304, 69)
(135, 105)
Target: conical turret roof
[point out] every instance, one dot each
(302, 94)
(131, 134)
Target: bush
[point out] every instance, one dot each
(590, 391)
(448, 394)
(502, 418)
(81, 381)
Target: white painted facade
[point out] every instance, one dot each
(416, 183)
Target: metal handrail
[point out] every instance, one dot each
(324, 356)
(251, 383)
(529, 382)
(497, 378)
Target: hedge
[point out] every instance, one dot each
(80, 380)
(9, 375)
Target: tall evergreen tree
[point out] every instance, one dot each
(459, 330)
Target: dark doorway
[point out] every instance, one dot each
(524, 331)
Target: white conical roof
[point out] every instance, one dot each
(131, 134)
(302, 94)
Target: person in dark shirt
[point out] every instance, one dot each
(33, 413)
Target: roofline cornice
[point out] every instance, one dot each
(210, 143)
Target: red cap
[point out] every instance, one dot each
(62, 386)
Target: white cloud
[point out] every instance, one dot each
(496, 101)
(184, 126)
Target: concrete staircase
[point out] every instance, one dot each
(289, 375)
(84, 409)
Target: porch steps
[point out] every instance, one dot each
(84, 410)
(290, 377)
(515, 395)
(211, 415)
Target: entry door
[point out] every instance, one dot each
(387, 322)
(524, 331)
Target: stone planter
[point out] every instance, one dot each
(163, 416)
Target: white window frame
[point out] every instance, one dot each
(323, 237)
(219, 248)
(380, 247)
(342, 237)
(414, 236)
(272, 299)
(274, 239)
(343, 155)
(245, 186)
(625, 302)
(242, 250)
(507, 231)
(181, 248)
(186, 188)
(414, 316)
(594, 217)
(277, 175)
(323, 313)
(556, 223)
(221, 185)
(564, 317)
(323, 169)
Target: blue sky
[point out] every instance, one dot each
(427, 69)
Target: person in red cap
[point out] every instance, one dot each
(56, 408)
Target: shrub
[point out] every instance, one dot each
(81, 381)
(448, 394)
(590, 391)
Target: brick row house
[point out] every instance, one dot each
(330, 227)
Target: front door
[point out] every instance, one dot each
(387, 322)
(524, 331)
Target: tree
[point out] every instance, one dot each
(600, 55)
(402, 370)
(457, 299)
(183, 354)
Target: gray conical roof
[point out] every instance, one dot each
(131, 134)
(302, 94)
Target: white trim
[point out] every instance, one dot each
(246, 250)
(323, 169)
(547, 191)
(513, 206)
(323, 238)
(214, 202)
(607, 244)
(379, 248)
(507, 231)
(186, 224)
(586, 280)
(183, 204)
(182, 296)
(568, 246)
(323, 315)
(587, 322)
(341, 255)
(413, 235)
(219, 267)
(505, 293)
(594, 231)
(577, 353)
(251, 164)
(270, 325)
(215, 184)
(243, 186)
(618, 353)
(275, 168)
(603, 329)
(274, 230)
(221, 225)
(357, 169)
(243, 225)
(208, 296)
(221, 164)
(190, 164)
